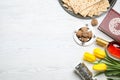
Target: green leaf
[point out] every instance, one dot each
(99, 73)
(113, 73)
(113, 78)
(111, 59)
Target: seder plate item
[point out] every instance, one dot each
(112, 3)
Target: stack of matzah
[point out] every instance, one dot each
(87, 7)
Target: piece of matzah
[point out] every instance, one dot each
(87, 7)
(99, 8)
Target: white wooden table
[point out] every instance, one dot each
(36, 41)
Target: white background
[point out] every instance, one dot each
(36, 41)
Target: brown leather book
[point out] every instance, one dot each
(111, 25)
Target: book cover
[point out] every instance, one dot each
(111, 25)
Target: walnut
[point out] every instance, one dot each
(84, 34)
(90, 34)
(94, 22)
(79, 34)
(84, 29)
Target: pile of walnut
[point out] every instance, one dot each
(84, 34)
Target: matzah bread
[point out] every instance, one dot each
(87, 7)
(79, 5)
(85, 12)
(99, 8)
